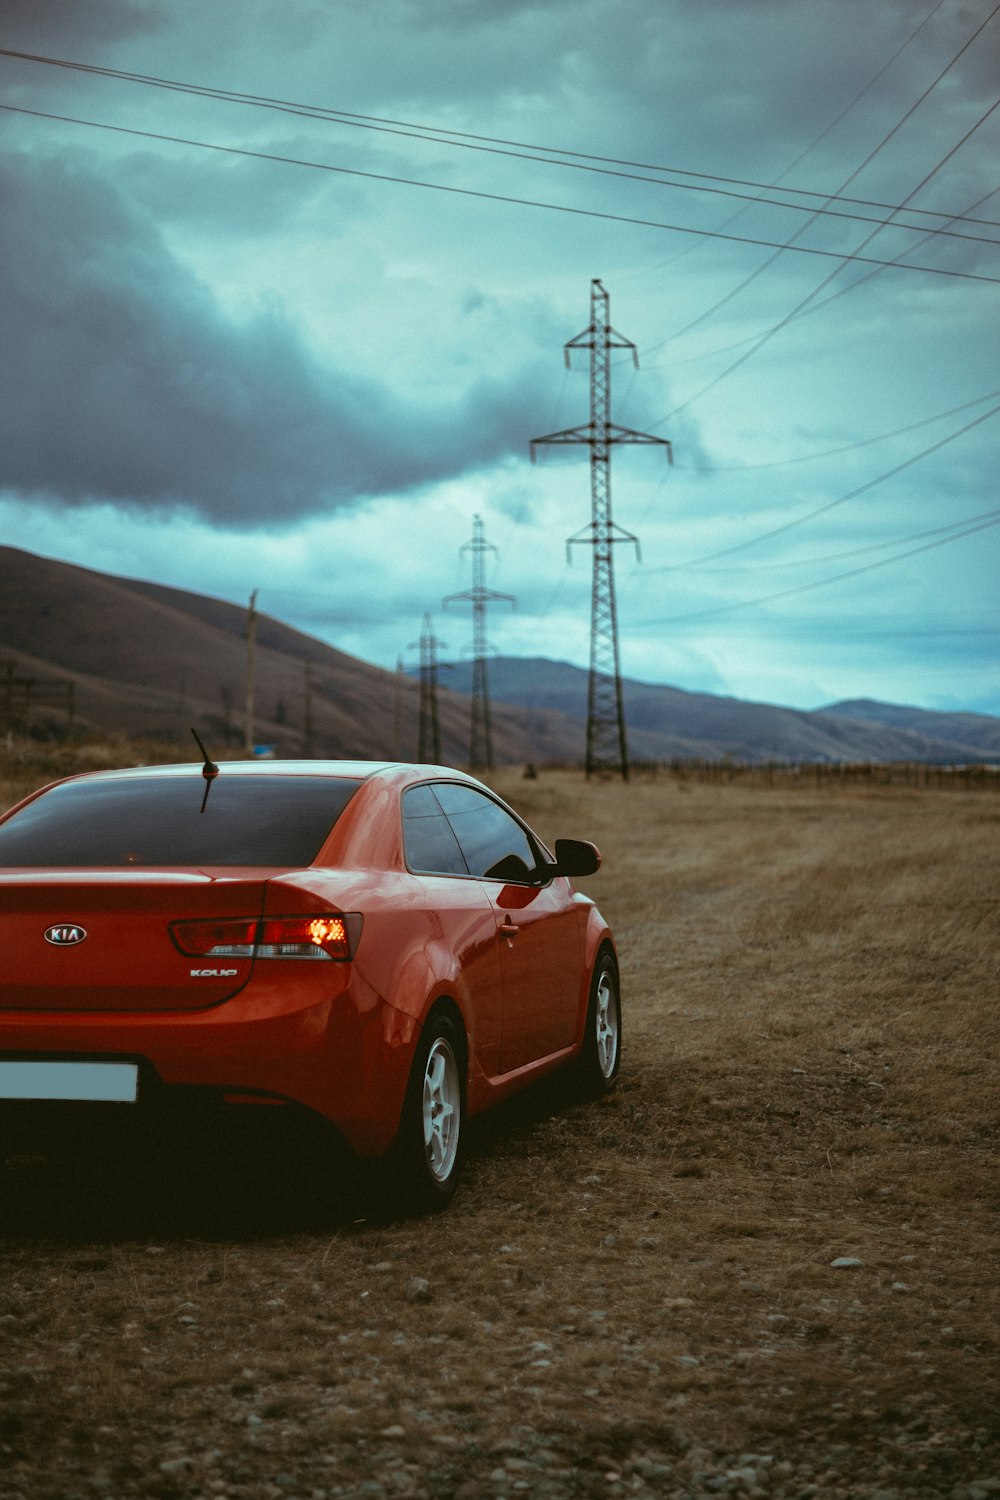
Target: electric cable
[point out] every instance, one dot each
(791, 245)
(482, 194)
(687, 249)
(814, 562)
(830, 504)
(877, 270)
(808, 458)
(818, 583)
(805, 312)
(554, 155)
(805, 301)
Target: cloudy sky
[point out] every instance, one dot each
(296, 340)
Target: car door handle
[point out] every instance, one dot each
(509, 929)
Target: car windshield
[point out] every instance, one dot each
(156, 820)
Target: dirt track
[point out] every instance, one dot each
(637, 1297)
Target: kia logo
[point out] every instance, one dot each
(65, 934)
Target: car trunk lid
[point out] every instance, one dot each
(100, 939)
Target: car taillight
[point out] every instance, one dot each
(232, 938)
(308, 937)
(332, 935)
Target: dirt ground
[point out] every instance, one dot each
(767, 1266)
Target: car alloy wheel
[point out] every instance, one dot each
(442, 1110)
(606, 1026)
(422, 1169)
(601, 1055)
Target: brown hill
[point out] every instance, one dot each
(150, 661)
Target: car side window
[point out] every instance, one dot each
(485, 831)
(428, 840)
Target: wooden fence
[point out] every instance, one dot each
(23, 698)
(825, 774)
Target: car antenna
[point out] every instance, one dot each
(209, 770)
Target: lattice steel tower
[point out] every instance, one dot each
(607, 748)
(429, 733)
(481, 728)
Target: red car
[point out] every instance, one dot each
(387, 945)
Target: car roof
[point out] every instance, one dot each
(354, 770)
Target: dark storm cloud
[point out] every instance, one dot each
(29, 24)
(123, 381)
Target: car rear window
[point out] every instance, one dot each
(157, 820)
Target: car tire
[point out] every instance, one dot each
(600, 1058)
(426, 1158)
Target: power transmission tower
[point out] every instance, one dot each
(429, 735)
(481, 729)
(397, 736)
(607, 749)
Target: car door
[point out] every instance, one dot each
(461, 918)
(537, 929)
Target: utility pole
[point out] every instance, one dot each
(607, 749)
(429, 737)
(481, 729)
(307, 720)
(251, 633)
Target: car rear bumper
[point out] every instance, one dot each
(345, 1055)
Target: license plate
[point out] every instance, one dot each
(97, 1082)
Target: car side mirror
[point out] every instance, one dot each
(511, 869)
(577, 857)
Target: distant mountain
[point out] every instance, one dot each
(980, 731)
(150, 661)
(664, 722)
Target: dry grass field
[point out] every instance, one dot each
(767, 1266)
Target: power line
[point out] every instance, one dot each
(804, 311)
(500, 145)
(936, 634)
(791, 245)
(800, 306)
(805, 152)
(819, 583)
(822, 635)
(808, 458)
(820, 510)
(862, 92)
(812, 562)
(481, 194)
